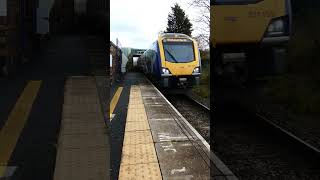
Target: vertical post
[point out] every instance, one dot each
(22, 27)
(117, 59)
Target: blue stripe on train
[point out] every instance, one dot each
(157, 63)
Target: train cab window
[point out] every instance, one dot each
(178, 52)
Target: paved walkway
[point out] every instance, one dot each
(83, 150)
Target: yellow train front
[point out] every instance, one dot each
(257, 30)
(173, 61)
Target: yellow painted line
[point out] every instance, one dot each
(115, 100)
(11, 131)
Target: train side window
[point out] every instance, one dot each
(154, 46)
(148, 55)
(152, 52)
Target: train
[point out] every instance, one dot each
(172, 61)
(249, 37)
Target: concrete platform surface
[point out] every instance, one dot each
(83, 146)
(158, 139)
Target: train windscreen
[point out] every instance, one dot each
(179, 52)
(233, 1)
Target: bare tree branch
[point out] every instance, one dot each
(203, 21)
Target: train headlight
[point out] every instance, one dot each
(278, 27)
(196, 70)
(3, 43)
(165, 71)
(3, 39)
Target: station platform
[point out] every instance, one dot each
(150, 139)
(83, 149)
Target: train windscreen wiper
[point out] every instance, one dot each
(172, 56)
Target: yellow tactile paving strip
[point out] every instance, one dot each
(138, 154)
(137, 126)
(82, 146)
(135, 107)
(132, 116)
(137, 137)
(148, 171)
(139, 160)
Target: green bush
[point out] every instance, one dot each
(299, 95)
(205, 75)
(299, 89)
(203, 90)
(304, 46)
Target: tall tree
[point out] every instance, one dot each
(178, 22)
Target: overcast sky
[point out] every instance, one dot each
(137, 23)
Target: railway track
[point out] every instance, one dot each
(272, 121)
(255, 148)
(252, 146)
(197, 114)
(298, 140)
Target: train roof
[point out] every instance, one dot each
(173, 35)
